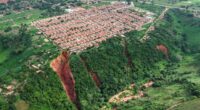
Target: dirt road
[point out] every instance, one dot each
(146, 37)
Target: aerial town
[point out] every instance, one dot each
(79, 30)
(99, 54)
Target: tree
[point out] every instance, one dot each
(128, 2)
(194, 89)
(22, 40)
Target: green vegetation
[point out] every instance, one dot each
(190, 105)
(16, 19)
(51, 7)
(89, 95)
(152, 8)
(175, 81)
(4, 56)
(102, 3)
(20, 49)
(190, 29)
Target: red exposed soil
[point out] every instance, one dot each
(96, 79)
(163, 49)
(94, 76)
(61, 66)
(126, 53)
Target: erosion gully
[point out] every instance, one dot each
(61, 66)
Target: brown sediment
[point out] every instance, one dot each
(61, 66)
(163, 49)
(126, 52)
(96, 78)
(93, 75)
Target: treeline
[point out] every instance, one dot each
(88, 94)
(150, 7)
(16, 40)
(52, 7)
(44, 91)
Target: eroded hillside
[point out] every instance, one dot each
(92, 77)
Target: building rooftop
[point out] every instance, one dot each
(77, 31)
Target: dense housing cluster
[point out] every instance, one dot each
(3, 1)
(79, 30)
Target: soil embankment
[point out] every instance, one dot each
(127, 53)
(61, 66)
(96, 78)
(93, 75)
(163, 49)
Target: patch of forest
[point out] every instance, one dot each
(176, 80)
(52, 7)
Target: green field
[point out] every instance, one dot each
(16, 18)
(102, 3)
(189, 27)
(4, 55)
(190, 105)
(174, 3)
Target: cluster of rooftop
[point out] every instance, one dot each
(4, 1)
(77, 31)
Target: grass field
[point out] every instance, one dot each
(179, 3)
(167, 95)
(172, 94)
(4, 55)
(190, 105)
(189, 26)
(16, 18)
(103, 3)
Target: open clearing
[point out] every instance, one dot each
(16, 18)
(21, 105)
(190, 105)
